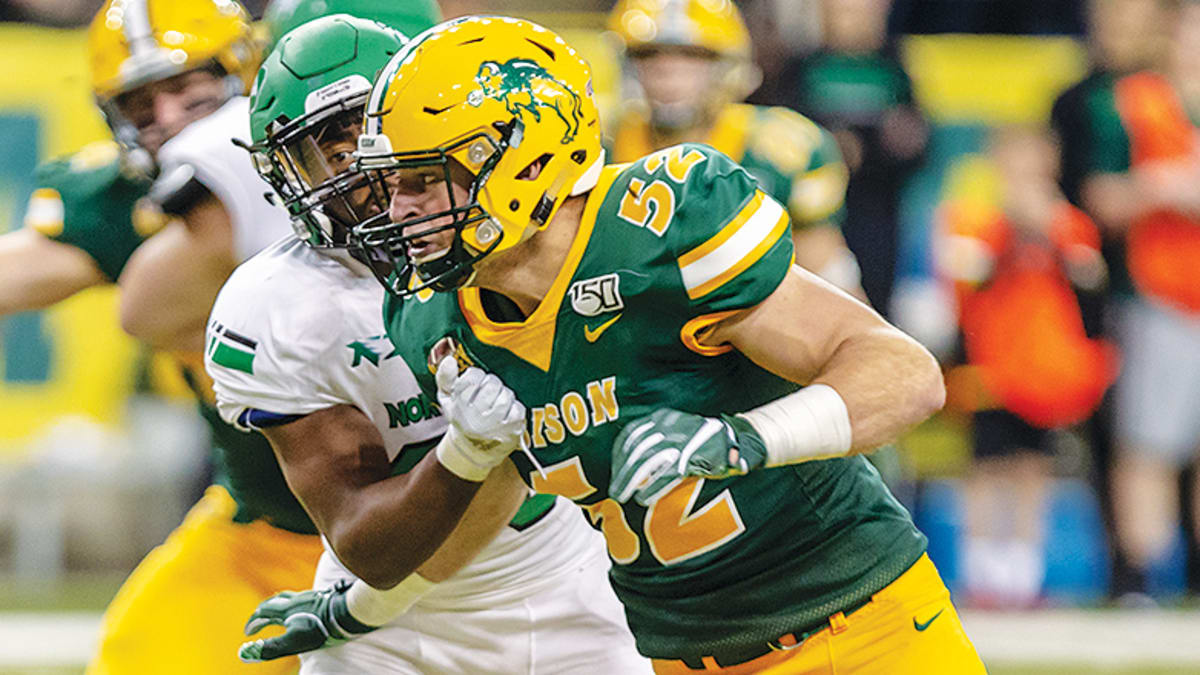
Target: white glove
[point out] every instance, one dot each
(486, 420)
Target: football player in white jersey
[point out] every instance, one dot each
(296, 349)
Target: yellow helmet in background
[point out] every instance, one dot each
(508, 100)
(135, 42)
(714, 25)
(705, 28)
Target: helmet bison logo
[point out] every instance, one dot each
(524, 86)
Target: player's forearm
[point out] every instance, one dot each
(36, 272)
(889, 383)
(385, 531)
(491, 510)
(164, 306)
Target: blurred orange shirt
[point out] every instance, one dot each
(1020, 319)
(1163, 253)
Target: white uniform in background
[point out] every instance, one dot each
(227, 172)
(301, 330)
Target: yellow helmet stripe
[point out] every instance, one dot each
(136, 27)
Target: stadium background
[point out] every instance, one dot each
(100, 455)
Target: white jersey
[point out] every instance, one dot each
(296, 330)
(226, 170)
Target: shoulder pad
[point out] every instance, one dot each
(710, 215)
(789, 141)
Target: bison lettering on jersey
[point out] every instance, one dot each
(575, 412)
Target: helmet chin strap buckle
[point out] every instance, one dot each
(541, 212)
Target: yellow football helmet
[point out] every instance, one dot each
(715, 25)
(135, 42)
(708, 27)
(506, 99)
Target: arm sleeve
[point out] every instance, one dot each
(207, 149)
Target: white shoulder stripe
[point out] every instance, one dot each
(707, 271)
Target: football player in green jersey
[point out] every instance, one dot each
(691, 62)
(704, 400)
(159, 69)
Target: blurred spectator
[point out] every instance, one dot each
(690, 65)
(856, 87)
(1141, 185)
(1124, 36)
(1014, 17)
(1013, 261)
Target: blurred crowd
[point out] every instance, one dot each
(1059, 284)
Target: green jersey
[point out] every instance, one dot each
(666, 247)
(87, 200)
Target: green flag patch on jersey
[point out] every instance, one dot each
(231, 349)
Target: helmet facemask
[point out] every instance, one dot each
(389, 246)
(136, 48)
(309, 163)
(132, 115)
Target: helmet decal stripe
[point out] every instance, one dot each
(137, 30)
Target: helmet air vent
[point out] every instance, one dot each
(549, 52)
(534, 169)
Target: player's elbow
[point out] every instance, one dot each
(161, 330)
(928, 391)
(137, 323)
(361, 552)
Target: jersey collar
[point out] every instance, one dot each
(533, 339)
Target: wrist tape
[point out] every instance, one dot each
(812, 423)
(462, 458)
(372, 607)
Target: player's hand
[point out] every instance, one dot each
(653, 452)
(486, 420)
(314, 620)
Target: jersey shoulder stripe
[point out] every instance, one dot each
(737, 246)
(45, 212)
(723, 238)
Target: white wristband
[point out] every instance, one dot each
(459, 455)
(812, 423)
(374, 607)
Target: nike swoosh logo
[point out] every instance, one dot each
(593, 334)
(922, 626)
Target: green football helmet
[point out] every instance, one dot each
(306, 111)
(407, 16)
